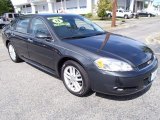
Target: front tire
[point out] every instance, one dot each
(12, 53)
(149, 15)
(75, 78)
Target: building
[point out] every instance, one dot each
(154, 9)
(69, 6)
(53, 6)
(133, 5)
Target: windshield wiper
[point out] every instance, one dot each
(101, 33)
(75, 37)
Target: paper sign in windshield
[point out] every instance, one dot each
(57, 21)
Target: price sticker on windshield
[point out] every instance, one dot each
(57, 21)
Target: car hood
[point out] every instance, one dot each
(115, 46)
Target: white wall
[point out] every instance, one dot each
(71, 6)
(19, 2)
(26, 10)
(121, 4)
(42, 8)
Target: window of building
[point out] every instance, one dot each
(82, 4)
(22, 25)
(28, 5)
(81, 7)
(71, 4)
(43, 7)
(71, 8)
(59, 0)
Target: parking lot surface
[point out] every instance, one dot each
(27, 93)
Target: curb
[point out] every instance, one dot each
(154, 43)
(151, 39)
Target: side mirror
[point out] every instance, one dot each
(43, 36)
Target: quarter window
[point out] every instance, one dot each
(22, 25)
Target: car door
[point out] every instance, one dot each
(19, 36)
(120, 13)
(41, 49)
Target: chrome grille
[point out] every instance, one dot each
(146, 63)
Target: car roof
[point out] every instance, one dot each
(49, 15)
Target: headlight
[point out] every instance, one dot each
(109, 64)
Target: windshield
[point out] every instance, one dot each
(73, 26)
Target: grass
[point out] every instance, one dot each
(95, 18)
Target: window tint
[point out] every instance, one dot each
(10, 15)
(22, 25)
(38, 27)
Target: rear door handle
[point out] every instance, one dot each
(30, 40)
(12, 34)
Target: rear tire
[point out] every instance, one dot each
(75, 78)
(12, 53)
(126, 17)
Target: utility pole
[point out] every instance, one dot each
(114, 9)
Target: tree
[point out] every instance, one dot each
(114, 9)
(103, 6)
(6, 6)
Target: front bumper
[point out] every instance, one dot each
(122, 83)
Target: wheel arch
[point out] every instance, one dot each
(63, 60)
(7, 41)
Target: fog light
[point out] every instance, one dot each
(118, 89)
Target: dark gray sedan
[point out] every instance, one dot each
(81, 53)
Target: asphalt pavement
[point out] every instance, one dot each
(27, 93)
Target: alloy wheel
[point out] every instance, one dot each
(73, 79)
(12, 52)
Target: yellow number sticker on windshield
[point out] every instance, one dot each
(57, 21)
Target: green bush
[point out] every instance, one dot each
(103, 6)
(89, 15)
(6, 6)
